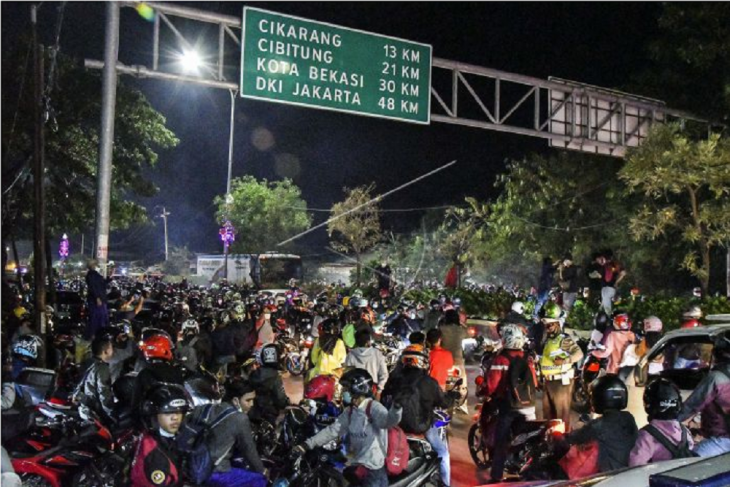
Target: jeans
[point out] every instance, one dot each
(711, 447)
(568, 301)
(237, 476)
(442, 450)
(607, 295)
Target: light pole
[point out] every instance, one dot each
(164, 216)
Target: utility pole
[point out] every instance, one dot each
(82, 245)
(164, 216)
(106, 145)
(39, 228)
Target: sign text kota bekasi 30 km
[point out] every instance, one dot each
(297, 61)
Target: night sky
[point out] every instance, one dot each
(602, 44)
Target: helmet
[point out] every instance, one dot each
(238, 311)
(27, 346)
(693, 323)
(600, 321)
(358, 381)
(322, 386)
(694, 312)
(374, 304)
(363, 303)
(156, 346)
(457, 303)
(552, 311)
(518, 307)
(166, 399)
(652, 324)
(19, 312)
(414, 356)
(329, 326)
(190, 326)
(662, 400)
(608, 392)
(621, 322)
(513, 337)
(435, 304)
(270, 355)
(357, 294)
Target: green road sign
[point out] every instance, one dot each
(297, 61)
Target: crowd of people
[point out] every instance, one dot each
(179, 365)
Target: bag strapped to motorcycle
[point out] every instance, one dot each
(680, 450)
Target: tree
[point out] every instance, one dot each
(263, 213)
(72, 145)
(461, 228)
(685, 185)
(356, 231)
(178, 261)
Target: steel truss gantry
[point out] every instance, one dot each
(568, 114)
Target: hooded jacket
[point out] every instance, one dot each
(616, 434)
(95, 389)
(649, 450)
(372, 360)
(367, 434)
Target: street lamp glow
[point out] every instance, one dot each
(190, 61)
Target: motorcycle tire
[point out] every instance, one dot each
(33, 480)
(479, 452)
(295, 368)
(579, 398)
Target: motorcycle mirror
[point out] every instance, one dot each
(584, 418)
(459, 383)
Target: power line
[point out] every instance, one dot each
(383, 210)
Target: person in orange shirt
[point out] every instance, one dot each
(440, 359)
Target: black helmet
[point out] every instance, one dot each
(608, 392)
(166, 399)
(330, 326)
(662, 400)
(435, 304)
(270, 356)
(358, 381)
(721, 350)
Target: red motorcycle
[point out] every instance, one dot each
(64, 449)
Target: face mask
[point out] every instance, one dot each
(412, 316)
(347, 397)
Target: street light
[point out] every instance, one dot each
(190, 61)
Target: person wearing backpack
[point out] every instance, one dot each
(664, 438)
(193, 349)
(157, 459)
(419, 394)
(510, 384)
(271, 396)
(365, 423)
(368, 358)
(226, 432)
(711, 397)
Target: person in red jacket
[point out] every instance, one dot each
(157, 460)
(440, 359)
(511, 361)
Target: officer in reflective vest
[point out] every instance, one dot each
(556, 364)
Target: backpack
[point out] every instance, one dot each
(521, 383)
(193, 440)
(398, 454)
(414, 418)
(680, 450)
(187, 354)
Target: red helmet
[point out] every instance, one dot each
(622, 322)
(322, 386)
(691, 323)
(157, 346)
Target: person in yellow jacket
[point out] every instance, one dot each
(329, 351)
(556, 364)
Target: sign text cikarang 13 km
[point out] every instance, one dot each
(296, 61)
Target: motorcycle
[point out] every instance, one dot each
(64, 448)
(391, 347)
(293, 353)
(526, 446)
(590, 370)
(454, 382)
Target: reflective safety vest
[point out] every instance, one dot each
(551, 351)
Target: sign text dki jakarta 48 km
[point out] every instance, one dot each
(297, 61)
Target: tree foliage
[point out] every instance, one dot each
(178, 261)
(72, 146)
(355, 226)
(264, 213)
(686, 186)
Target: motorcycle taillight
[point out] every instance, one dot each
(593, 367)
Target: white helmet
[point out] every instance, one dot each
(190, 325)
(694, 312)
(513, 337)
(518, 307)
(652, 324)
